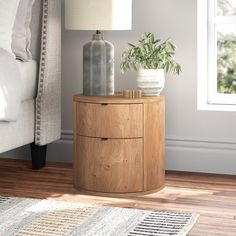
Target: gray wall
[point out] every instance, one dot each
(196, 140)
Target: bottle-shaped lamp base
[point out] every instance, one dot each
(98, 67)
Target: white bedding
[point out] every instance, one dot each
(18, 83)
(28, 74)
(10, 87)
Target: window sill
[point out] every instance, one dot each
(216, 107)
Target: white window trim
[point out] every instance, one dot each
(204, 101)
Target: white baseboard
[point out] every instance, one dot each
(182, 155)
(201, 156)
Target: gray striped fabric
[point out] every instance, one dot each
(3, 199)
(25, 217)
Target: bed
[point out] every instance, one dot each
(39, 121)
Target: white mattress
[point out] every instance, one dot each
(29, 75)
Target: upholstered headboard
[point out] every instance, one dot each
(36, 29)
(46, 49)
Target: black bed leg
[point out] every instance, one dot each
(38, 156)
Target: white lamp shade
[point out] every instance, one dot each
(98, 14)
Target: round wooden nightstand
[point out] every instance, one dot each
(119, 144)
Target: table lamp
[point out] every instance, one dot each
(98, 55)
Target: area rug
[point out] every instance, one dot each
(34, 217)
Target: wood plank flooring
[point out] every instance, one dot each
(212, 196)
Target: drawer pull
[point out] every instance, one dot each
(104, 139)
(104, 104)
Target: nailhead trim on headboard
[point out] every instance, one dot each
(41, 69)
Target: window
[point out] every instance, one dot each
(217, 54)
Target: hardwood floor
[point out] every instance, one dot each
(212, 196)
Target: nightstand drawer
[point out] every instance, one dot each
(109, 165)
(109, 120)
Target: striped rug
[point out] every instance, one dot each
(34, 217)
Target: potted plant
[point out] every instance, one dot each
(150, 57)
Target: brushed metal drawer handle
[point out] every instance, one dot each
(104, 139)
(104, 104)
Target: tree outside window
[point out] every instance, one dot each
(226, 49)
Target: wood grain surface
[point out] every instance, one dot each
(154, 145)
(109, 120)
(212, 196)
(112, 165)
(119, 147)
(115, 99)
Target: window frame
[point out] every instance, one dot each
(208, 98)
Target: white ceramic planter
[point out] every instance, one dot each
(151, 82)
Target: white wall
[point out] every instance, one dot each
(196, 140)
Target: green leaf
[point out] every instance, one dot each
(131, 45)
(150, 53)
(156, 41)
